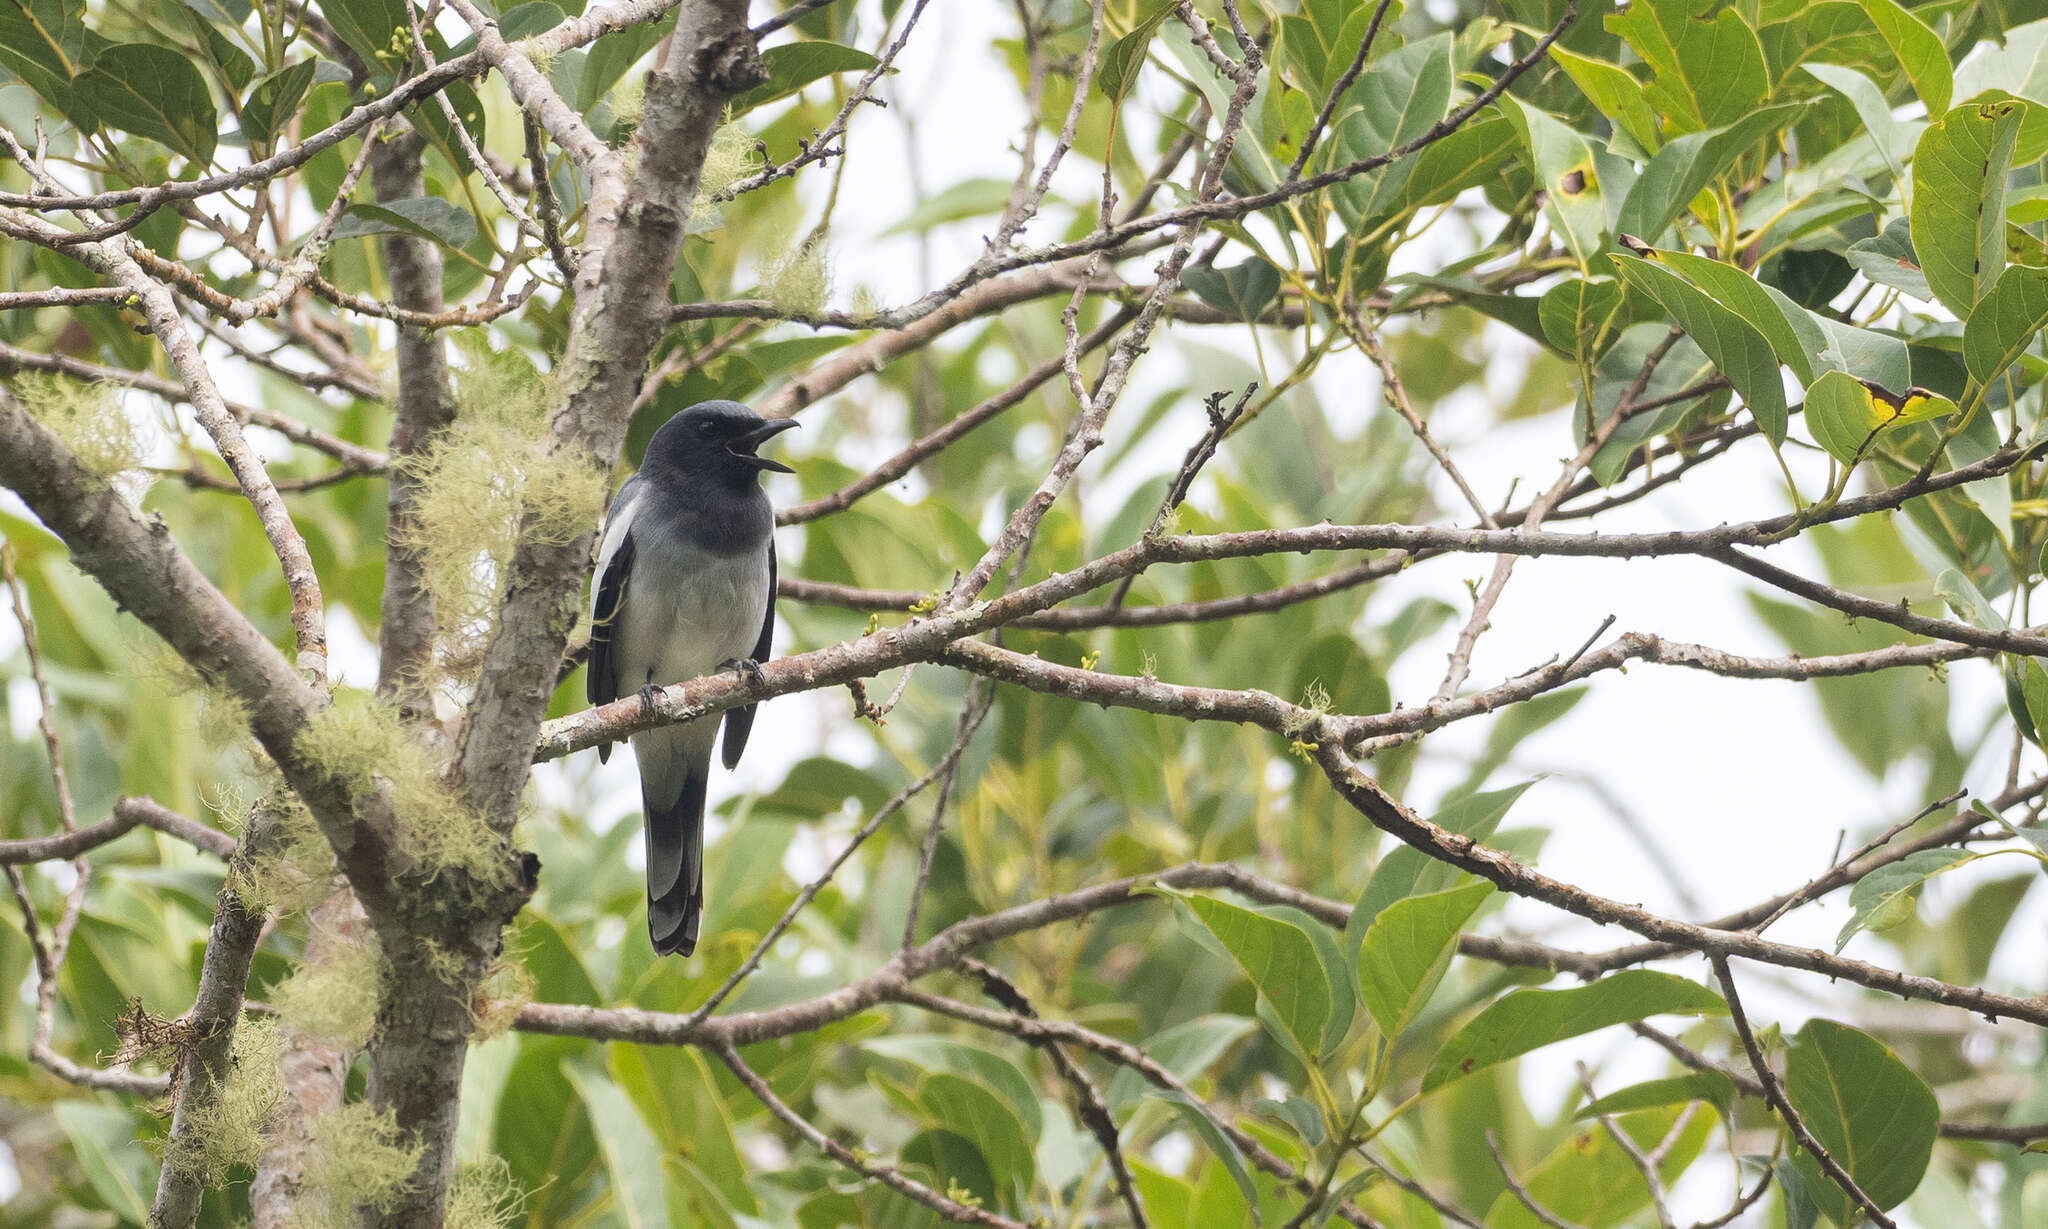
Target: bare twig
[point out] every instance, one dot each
(1088, 1104)
(888, 1175)
(941, 771)
(1775, 1093)
(980, 698)
(1521, 1192)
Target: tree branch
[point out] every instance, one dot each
(1775, 1093)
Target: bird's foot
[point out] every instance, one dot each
(746, 666)
(649, 694)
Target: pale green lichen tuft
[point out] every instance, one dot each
(87, 418)
(290, 870)
(334, 998)
(483, 1195)
(228, 1128)
(799, 282)
(629, 104)
(357, 1158)
(506, 989)
(222, 720)
(361, 740)
(1316, 697)
(729, 159)
(489, 480)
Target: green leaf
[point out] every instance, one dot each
(1589, 1181)
(424, 217)
(1885, 897)
(1792, 335)
(1406, 871)
(1871, 107)
(1241, 292)
(528, 19)
(557, 971)
(1737, 347)
(2033, 688)
(1320, 43)
(2005, 321)
(1967, 600)
(1869, 1110)
(629, 1149)
(1407, 950)
(970, 198)
(1889, 260)
(235, 65)
(1222, 1145)
(1578, 313)
(955, 1162)
(1120, 63)
(1614, 92)
(1709, 70)
(945, 1054)
(613, 56)
(271, 104)
(44, 42)
(792, 66)
(221, 12)
(1879, 357)
(1845, 414)
(1306, 1120)
(1685, 167)
(1531, 1019)
(1959, 172)
(1337, 974)
(153, 92)
(1187, 1050)
(1280, 959)
(103, 1138)
(1684, 366)
(1919, 52)
(678, 1099)
(1710, 1086)
(974, 1112)
(1563, 161)
(371, 29)
(1468, 158)
(1402, 97)
(433, 123)
(2026, 689)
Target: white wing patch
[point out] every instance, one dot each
(616, 523)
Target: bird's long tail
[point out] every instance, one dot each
(675, 867)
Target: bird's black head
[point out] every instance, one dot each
(717, 439)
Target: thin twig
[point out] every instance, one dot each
(980, 698)
(1774, 1092)
(888, 1175)
(1088, 1103)
(1521, 1192)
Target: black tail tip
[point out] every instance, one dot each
(678, 938)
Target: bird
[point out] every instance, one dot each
(685, 586)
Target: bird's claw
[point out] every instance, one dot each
(746, 666)
(649, 693)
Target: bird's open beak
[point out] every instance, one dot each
(744, 446)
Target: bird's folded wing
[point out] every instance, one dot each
(739, 722)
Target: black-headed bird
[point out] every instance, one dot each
(685, 587)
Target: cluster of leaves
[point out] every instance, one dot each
(1827, 191)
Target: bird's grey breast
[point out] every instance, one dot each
(688, 608)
